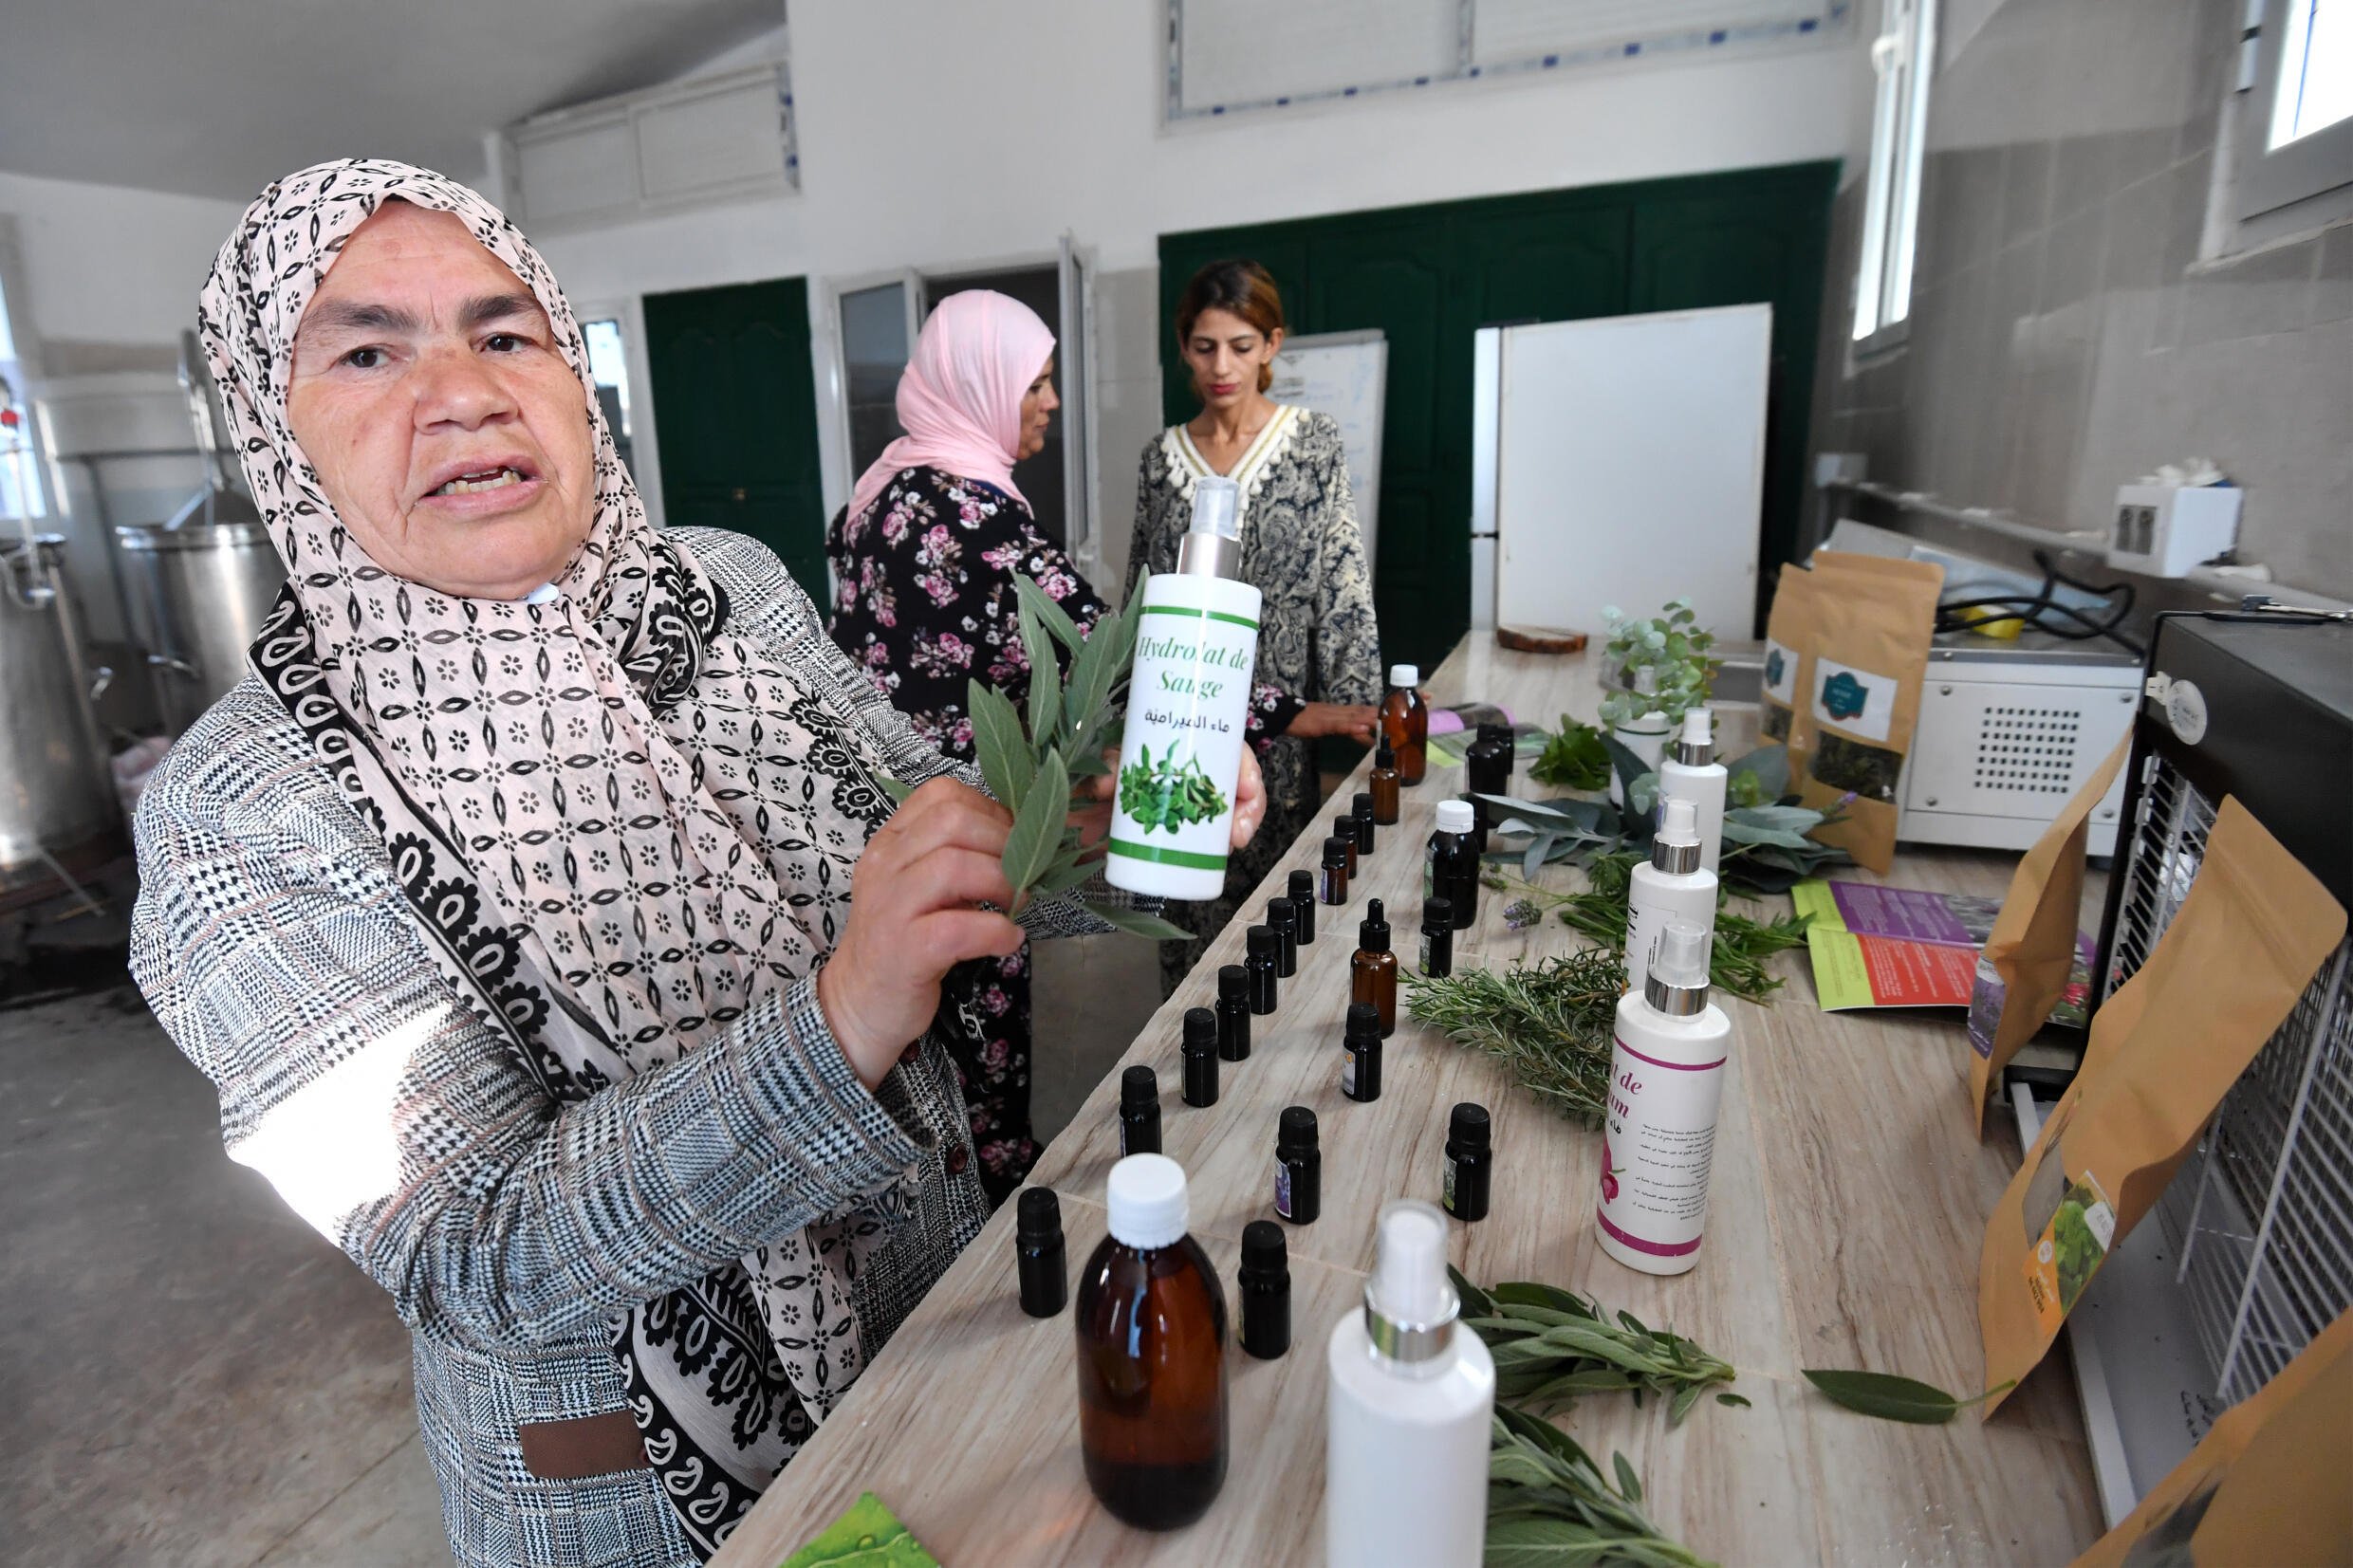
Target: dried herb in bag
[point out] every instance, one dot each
(2023, 970)
(1788, 662)
(2163, 1051)
(1874, 617)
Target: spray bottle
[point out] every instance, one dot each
(1666, 1085)
(1691, 773)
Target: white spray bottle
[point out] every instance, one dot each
(1672, 887)
(1666, 1086)
(1188, 710)
(1412, 1397)
(1691, 773)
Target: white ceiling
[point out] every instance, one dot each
(219, 96)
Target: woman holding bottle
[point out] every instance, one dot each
(1319, 660)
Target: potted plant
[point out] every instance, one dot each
(1660, 670)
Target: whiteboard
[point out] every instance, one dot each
(1630, 468)
(1346, 375)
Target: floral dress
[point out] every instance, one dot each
(1317, 638)
(924, 602)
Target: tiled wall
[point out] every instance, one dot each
(2065, 335)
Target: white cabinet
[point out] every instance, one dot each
(718, 138)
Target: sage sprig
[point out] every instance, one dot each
(1552, 1346)
(1893, 1399)
(1550, 1504)
(1031, 769)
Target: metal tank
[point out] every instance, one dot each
(196, 595)
(56, 793)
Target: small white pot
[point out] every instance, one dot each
(1646, 737)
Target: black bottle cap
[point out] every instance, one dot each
(1439, 912)
(1262, 942)
(1038, 1214)
(1201, 1030)
(1343, 828)
(1384, 755)
(1360, 805)
(1372, 936)
(1468, 1126)
(1138, 1089)
(1495, 731)
(1295, 1131)
(1232, 983)
(1364, 1022)
(1302, 884)
(1335, 851)
(1263, 1249)
(1282, 912)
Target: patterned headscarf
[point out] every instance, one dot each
(617, 824)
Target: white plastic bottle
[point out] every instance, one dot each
(1672, 887)
(1666, 1086)
(1412, 1397)
(1188, 709)
(1691, 773)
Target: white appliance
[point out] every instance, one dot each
(1620, 461)
(2164, 530)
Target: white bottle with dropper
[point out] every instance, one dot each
(1188, 710)
(1412, 1397)
(1691, 773)
(1673, 886)
(1666, 1086)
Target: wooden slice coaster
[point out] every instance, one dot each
(1540, 639)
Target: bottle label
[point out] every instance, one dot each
(1658, 1144)
(1425, 952)
(1347, 1071)
(1186, 717)
(1449, 1200)
(1282, 1188)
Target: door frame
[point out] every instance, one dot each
(644, 446)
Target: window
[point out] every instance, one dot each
(20, 466)
(1904, 57)
(609, 367)
(2297, 136)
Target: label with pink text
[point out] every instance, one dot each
(1657, 1146)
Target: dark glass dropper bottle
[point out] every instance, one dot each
(1372, 974)
(1140, 1112)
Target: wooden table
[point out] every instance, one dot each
(1848, 1202)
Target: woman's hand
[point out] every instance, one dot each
(1353, 719)
(911, 919)
(1093, 821)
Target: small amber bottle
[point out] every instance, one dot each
(1405, 723)
(1360, 818)
(1360, 1053)
(1343, 828)
(1334, 887)
(1152, 1356)
(1303, 899)
(1385, 785)
(1372, 974)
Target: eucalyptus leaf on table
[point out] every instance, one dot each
(1893, 1399)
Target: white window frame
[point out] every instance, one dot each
(2309, 169)
(1904, 57)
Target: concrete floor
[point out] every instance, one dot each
(190, 1377)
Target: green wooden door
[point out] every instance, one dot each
(1430, 277)
(735, 411)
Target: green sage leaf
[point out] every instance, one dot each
(1051, 615)
(1038, 826)
(1137, 923)
(1893, 1398)
(1006, 760)
(1629, 1484)
(1731, 1399)
(1685, 1398)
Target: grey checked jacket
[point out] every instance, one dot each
(275, 944)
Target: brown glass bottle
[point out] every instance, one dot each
(1372, 974)
(1405, 723)
(1152, 1356)
(1383, 783)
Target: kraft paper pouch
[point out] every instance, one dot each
(2266, 1485)
(2163, 1051)
(1874, 618)
(1788, 660)
(2023, 969)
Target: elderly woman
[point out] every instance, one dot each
(1319, 649)
(536, 906)
(923, 562)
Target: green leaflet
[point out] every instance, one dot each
(1893, 1399)
(1038, 826)
(1006, 760)
(1552, 1346)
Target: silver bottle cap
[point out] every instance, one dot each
(1677, 984)
(1695, 745)
(1410, 1307)
(1674, 849)
(1212, 545)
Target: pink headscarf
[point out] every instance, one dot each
(959, 398)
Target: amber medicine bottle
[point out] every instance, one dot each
(1372, 974)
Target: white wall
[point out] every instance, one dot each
(109, 267)
(1016, 120)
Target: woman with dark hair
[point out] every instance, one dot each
(1319, 651)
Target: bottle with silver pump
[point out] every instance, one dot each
(1673, 886)
(1690, 772)
(1666, 1087)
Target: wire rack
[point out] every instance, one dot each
(2261, 1215)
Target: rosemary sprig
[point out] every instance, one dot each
(1736, 962)
(1548, 1503)
(1549, 1023)
(1553, 1345)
